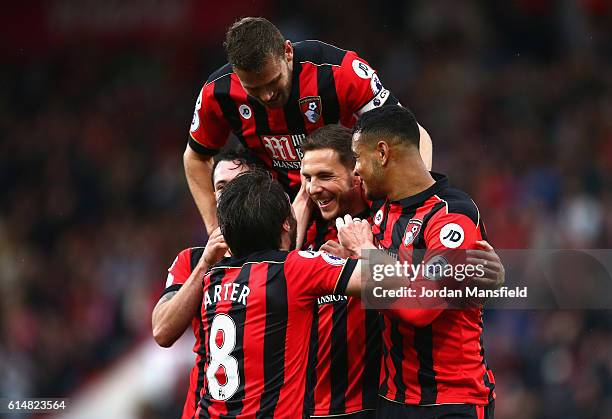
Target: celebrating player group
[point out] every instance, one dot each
(332, 167)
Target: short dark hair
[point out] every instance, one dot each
(335, 137)
(240, 155)
(393, 122)
(251, 213)
(250, 42)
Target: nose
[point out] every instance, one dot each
(314, 187)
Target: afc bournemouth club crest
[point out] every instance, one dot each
(412, 230)
(311, 108)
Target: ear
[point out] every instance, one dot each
(286, 226)
(382, 150)
(288, 51)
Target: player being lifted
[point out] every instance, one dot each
(271, 94)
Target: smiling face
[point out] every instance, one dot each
(330, 184)
(368, 168)
(271, 86)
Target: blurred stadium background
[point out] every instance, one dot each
(95, 103)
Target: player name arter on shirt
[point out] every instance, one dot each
(230, 291)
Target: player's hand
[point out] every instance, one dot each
(494, 272)
(215, 248)
(302, 207)
(354, 234)
(336, 249)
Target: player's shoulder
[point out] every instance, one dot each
(189, 257)
(319, 52)
(454, 202)
(223, 71)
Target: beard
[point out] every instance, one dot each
(373, 188)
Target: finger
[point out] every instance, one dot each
(326, 248)
(482, 254)
(331, 243)
(483, 244)
(339, 223)
(348, 219)
(484, 264)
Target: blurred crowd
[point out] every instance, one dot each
(94, 205)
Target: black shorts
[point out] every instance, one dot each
(362, 414)
(393, 410)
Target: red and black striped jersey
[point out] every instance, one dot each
(344, 357)
(329, 85)
(257, 313)
(432, 356)
(178, 273)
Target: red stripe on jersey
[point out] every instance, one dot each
(309, 93)
(322, 395)
(253, 351)
(356, 353)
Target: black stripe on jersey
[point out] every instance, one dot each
(215, 278)
(488, 384)
(419, 241)
(238, 313)
(384, 387)
(371, 368)
(383, 225)
(345, 276)
(293, 113)
(322, 228)
(221, 71)
(399, 228)
(397, 355)
(221, 92)
(200, 149)
(423, 343)
(171, 288)
(483, 231)
(339, 361)
(326, 86)
(274, 339)
(313, 352)
(319, 52)
(392, 100)
(262, 127)
(194, 258)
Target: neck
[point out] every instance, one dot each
(408, 177)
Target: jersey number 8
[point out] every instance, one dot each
(222, 364)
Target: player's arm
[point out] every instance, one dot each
(361, 90)
(207, 135)
(198, 171)
(175, 309)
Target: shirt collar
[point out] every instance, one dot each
(441, 183)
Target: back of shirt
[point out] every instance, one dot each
(256, 315)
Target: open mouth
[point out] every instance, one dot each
(324, 203)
